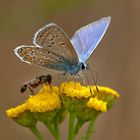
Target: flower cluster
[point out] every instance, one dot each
(51, 104)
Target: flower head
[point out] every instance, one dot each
(15, 112)
(43, 106)
(97, 104)
(106, 94)
(43, 101)
(75, 89)
(86, 101)
(54, 102)
(22, 116)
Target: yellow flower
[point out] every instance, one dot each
(75, 89)
(22, 116)
(14, 112)
(106, 91)
(105, 94)
(87, 101)
(97, 104)
(45, 100)
(69, 96)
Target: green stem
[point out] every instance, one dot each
(56, 127)
(79, 124)
(90, 129)
(71, 126)
(37, 133)
(50, 128)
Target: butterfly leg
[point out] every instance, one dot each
(83, 77)
(85, 80)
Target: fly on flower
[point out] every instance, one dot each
(34, 83)
(53, 49)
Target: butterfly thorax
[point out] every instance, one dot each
(74, 69)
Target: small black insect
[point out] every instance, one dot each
(34, 83)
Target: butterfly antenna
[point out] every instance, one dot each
(86, 79)
(95, 80)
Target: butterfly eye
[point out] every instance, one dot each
(83, 66)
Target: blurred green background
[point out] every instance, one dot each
(116, 60)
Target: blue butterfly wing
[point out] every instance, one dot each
(86, 39)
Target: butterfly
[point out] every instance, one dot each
(53, 49)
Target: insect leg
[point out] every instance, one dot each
(30, 88)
